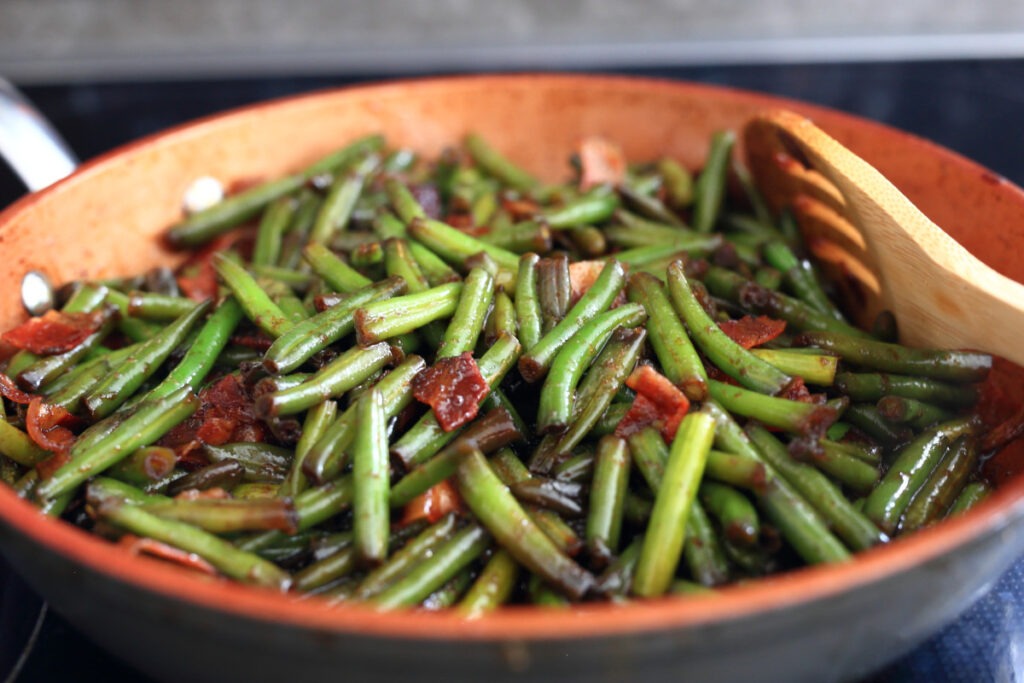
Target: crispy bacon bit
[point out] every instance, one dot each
(139, 546)
(433, 504)
(600, 162)
(582, 275)
(749, 331)
(453, 387)
(225, 415)
(46, 425)
(659, 403)
(520, 208)
(53, 332)
(197, 277)
(11, 392)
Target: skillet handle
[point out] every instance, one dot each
(34, 150)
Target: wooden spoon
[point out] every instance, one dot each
(886, 254)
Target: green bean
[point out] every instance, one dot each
(943, 486)
(205, 225)
(852, 526)
(447, 561)
(324, 571)
(849, 470)
(509, 468)
(151, 421)
(213, 337)
(337, 207)
(455, 246)
(873, 386)
(494, 430)
(433, 266)
(703, 553)
(16, 445)
(709, 188)
(259, 461)
(258, 306)
(334, 379)
(671, 344)
(617, 578)
(396, 316)
(554, 290)
(336, 273)
(535, 363)
(525, 236)
(426, 437)
(972, 494)
(275, 221)
(227, 515)
(761, 300)
(502, 318)
(678, 182)
(492, 588)
(145, 466)
(950, 366)
(239, 565)
(799, 277)
(730, 357)
(468, 317)
(663, 541)
(556, 397)
(498, 166)
(798, 522)
(318, 421)
(406, 558)
(328, 456)
(917, 414)
(607, 492)
(910, 471)
(398, 262)
(735, 513)
(371, 485)
(608, 422)
(225, 474)
(500, 513)
(596, 206)
(449, 593)
(797, 417)
(596, 393)
(556, 528)
(868, 420)
(649, 206)
(295, 347)
(813, 368)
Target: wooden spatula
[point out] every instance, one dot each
(878, 247)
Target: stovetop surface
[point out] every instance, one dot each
(973, 107)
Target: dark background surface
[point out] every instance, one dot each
(973, 107)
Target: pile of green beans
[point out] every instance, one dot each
(337, 287)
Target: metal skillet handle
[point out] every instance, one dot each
(40, 157)
(29, 143)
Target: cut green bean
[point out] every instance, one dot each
(675, 351)
(501, 514)
(910, 471)
(730, 357)
(663, 542)
(370, 477)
